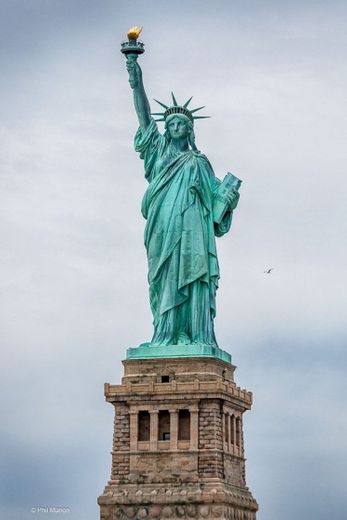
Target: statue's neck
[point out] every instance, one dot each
(180, 144)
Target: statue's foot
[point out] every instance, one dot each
(204, 343)
(159, 344)
(183, 339)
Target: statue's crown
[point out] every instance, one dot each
(178, 109)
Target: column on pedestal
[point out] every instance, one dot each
(233, 433)
(238, 434)
(134, 425)
(173, 429)
(194, 427)
(153, 439)
(226, 429)
(241, 434)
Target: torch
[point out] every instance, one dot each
(133, 47)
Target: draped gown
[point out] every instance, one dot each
(183, 269)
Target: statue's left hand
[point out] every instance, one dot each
(233, 199)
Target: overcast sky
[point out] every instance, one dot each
(272, 75)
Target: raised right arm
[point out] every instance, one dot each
(141, 103)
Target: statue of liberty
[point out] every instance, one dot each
(185, 207)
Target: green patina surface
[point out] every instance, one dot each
(146, 350)
(186, 207)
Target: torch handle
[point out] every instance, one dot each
(131, 56)
(134, 71)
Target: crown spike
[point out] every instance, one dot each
(160, 103)
(177, 109)
(196, 109)
(158, 120)
(187, 102)
(174, 100)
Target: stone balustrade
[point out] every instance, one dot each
(175, 387)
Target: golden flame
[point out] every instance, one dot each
(134, 32)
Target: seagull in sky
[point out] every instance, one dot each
(268, 271)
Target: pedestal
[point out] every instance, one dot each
(178, 449)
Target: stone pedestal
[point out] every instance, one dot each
(178, 443)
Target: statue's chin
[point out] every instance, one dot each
(179, 138)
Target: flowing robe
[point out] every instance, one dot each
(183, 269)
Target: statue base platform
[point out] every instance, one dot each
(178, 450)
(149, 351)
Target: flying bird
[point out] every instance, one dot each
(268, 271)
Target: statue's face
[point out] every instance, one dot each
(177, 127)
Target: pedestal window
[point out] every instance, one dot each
(226, 427)
(238, 432)
(233, 430)
(164, 425)
(143, 426)
(184, 425)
